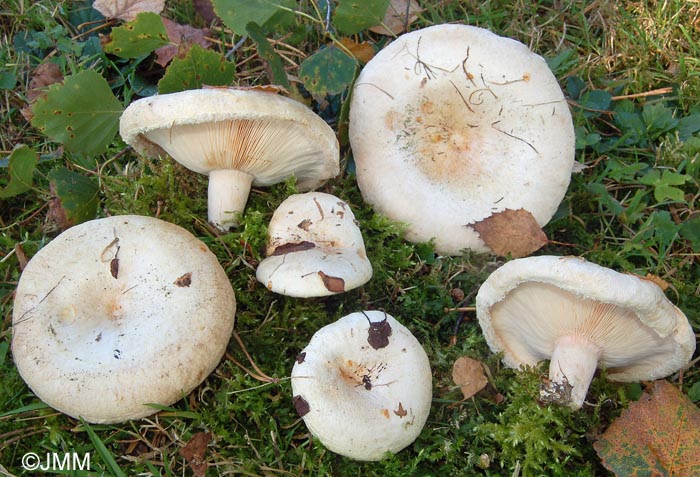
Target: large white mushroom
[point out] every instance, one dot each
(238, 137)
(315, 248)
(581, 317)
(363, 386)
(451, 124)
(118, 313)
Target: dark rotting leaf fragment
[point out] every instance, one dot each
(184, 281)
(304, 224)
(332, 284)
(114, 267)
(301, 357)
(290, 247)
(301, 405)
(378, 334)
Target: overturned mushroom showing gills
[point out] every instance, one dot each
(363, 386)
(315, 248)
(238, 137)
(119, 313)
(581, 316)
(452, 124)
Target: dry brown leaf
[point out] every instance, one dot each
(42, 77)
(127, 9)
(657, 435)
(181, 38)
(332, 284)
(205, 10)
(514, 232)
(362, 51)
(469, 375)
(658, 281)
(395, 17)
(195, 452)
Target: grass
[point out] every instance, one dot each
(634, 208)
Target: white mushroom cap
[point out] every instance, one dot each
(117, 313)
(363, 386)
(451, 124)
(315, 248)
(582, 316)
(237, 137)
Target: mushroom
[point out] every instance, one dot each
(451, 124)
(238, 137)
(581, 316)
(315, 248)
(363, 386)
(120, 313)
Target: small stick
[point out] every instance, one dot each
(460, 309)
(653, 92)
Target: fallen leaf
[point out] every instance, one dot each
(301, 405)
(658, 281)
(378, 333)
(127, 9)
(395, 17)
(659, 435)
(184, 280)
(332, 284)
(195, 452)
(181, 38)
(43, 76)
(362, 51)
(468, 374)
(291, 247)
(514, 232)
(401, 412)
(205, 10)
(264, 88)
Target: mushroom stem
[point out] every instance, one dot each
(571, 369)
(228, 194)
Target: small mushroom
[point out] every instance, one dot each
(581, 316)
(364, 386)
(451, 124)
(118, 313)
(315, 248)
(238, 137)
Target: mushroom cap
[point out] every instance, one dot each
(315, 248)
(363, 390)
(264, 134)
(526, 305)
(117, 313)
(451, 124)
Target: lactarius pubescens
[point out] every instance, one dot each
(581, 317)
(118, 313)
(452, 124)
(363, 386)
(237, 137)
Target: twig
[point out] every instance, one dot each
(653, 92)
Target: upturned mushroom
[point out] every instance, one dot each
(451, 124)
(315, 248)
(581, 317)
(120, 313)
(363, 386)
(238, 137)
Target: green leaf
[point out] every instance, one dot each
(276, 73)
(605, 199)
(77, 195)
(82, 113)
(664, 182)
(7, 80)
(237, 14)
(595, 102)
(328, 71)
(21, 166)
(353, 16)
(139, 37)
(658, 119)
(688, 125)
(199, 67)
(690, 230)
